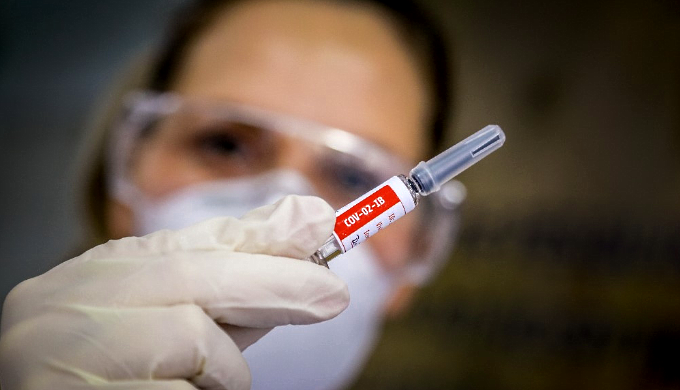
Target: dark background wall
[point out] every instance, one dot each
(568, 270)
(57, 61)
(568, 267)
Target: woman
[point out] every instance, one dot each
(247, 102)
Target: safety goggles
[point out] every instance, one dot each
(232, 141)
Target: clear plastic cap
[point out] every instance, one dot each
(448, 164)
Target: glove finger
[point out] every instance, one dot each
(149, 344)
(294, 227)
(246, 290)
(244, 337)
(55, 382)
(143, 385)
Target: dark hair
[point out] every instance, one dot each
(418, 31)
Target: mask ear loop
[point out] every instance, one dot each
(436, 234)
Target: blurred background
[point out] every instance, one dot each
(567, 273)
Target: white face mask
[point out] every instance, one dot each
(203, 201)
(327, 355)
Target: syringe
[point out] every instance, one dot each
(394, 198)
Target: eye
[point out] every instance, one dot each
(351, 178)
(230, 141)
(223, 143)
(234, 148)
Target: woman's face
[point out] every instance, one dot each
(339, 65)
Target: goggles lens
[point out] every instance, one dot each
(229, 141)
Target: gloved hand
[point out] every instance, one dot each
(174, 309)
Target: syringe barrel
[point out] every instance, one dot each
(430, 175)
(385, 204)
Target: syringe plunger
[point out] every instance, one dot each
(430, 175)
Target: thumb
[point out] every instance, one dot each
(295, 227)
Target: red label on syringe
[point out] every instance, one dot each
(372, 212)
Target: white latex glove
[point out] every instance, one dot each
(174, 309)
